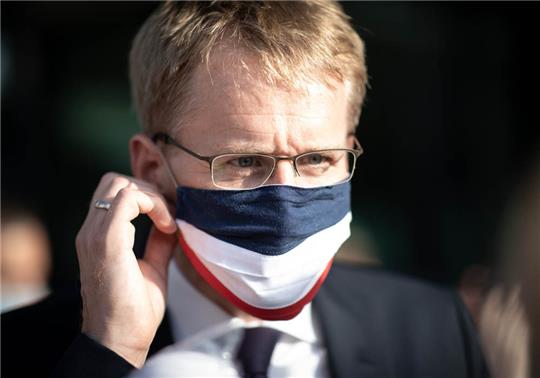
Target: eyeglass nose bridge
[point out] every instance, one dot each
(277, 159)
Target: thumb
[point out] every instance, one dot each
(159, 250)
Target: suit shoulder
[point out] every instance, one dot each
(366, 278)
(380, 288)
(413, 328)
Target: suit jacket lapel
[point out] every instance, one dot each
(351, 345)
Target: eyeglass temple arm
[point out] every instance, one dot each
(168, 140)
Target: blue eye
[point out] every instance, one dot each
(244, 161)
(315, 159)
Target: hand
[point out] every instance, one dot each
(124, 298)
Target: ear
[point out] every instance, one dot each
(147, 163)
(351, 140)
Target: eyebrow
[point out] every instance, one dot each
(237, 148)
(253, 148)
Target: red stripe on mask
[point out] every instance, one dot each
(284, 313)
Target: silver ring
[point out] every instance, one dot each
(102, 204)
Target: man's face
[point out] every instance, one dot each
(236, 112)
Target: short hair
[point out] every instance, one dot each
(291, 41)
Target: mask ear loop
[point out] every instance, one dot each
(168, 168)
(165, 161)
(175, 183)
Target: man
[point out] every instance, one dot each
(249, 111)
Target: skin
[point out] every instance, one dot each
(124, 299)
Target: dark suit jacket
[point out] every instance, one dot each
(374, 324)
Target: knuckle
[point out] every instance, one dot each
(108, 177)
(79, 242)
(80, 238)
(120, 181)
(124, 194)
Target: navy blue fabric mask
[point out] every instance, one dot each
(270, 220)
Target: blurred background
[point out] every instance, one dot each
(450, 125)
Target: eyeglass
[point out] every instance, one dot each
(252, 170)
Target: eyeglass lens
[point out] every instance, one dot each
(320, 168)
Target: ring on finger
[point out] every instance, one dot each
(102, 204)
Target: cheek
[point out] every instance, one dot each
(192, 173)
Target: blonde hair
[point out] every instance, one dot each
(292, 41)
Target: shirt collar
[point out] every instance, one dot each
(191, 313)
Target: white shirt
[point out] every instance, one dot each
(206, 340)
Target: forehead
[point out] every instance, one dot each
(232, 100)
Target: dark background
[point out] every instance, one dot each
(449, 126)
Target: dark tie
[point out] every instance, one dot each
(256, 350)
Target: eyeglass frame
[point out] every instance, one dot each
(167, 139)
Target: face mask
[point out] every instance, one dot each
(266, 250)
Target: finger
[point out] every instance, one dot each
(130, 202)
(111, 183)
(162, 211)
(159, 250)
